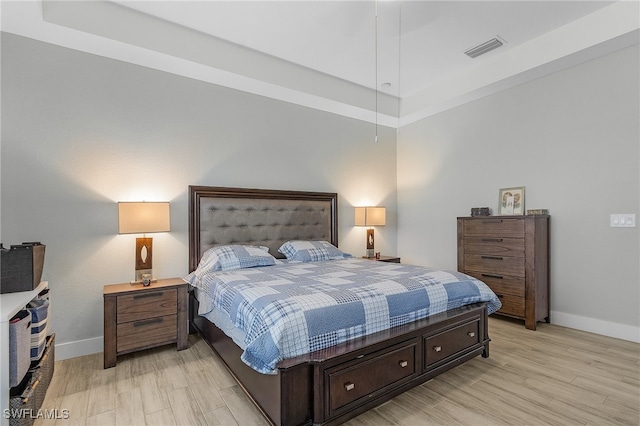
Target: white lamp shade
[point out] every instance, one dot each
(370, 216)
(143, 217)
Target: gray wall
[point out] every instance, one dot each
(81, 132)
(572, 139)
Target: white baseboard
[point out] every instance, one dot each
(78, 348)
(592, 325)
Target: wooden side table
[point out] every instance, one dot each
(389, 259)
(138, 317)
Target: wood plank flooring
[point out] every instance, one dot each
(552, 376)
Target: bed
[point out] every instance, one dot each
(329, 384)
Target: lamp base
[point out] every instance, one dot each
(142, 282)
(143, 276)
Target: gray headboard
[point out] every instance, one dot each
(263, 217)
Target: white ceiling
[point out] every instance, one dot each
(323, 54)
(338, 37)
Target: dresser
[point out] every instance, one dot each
(511, 255)
(138, 317)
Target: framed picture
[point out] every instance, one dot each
(511, 200)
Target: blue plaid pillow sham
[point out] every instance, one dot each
(228, 257)
(311, 251)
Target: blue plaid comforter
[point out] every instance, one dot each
(291, 309)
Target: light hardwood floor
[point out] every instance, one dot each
(552, 376)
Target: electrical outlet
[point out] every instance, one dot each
(623, 220)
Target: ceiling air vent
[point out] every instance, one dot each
(485, 47)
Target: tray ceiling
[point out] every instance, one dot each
(406, 64)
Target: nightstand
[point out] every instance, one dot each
(389, 259)
(138, 317)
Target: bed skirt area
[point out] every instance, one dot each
(333, 385)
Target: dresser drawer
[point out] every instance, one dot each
(450, 342)
(350, 383)
(502, 246)
(511, 305)
(146, 332)
(147, 304)
(494, 227)
(502, 284)
(494, 264)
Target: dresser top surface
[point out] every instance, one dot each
(123, 288)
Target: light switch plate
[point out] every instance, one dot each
(626, 220)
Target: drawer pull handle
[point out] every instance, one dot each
(491, 240)
(471, 334)
(147, 322)
(403, 363)
(492, 257)
(349, 386)
(492, 221)
(145, 295)
(437, 348)
(493, 276)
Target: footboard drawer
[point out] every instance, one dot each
(351, 381)
(442, 345)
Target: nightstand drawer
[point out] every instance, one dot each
(146, 332)
(147, 304)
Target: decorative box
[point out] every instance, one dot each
(480, 211)
(21, 267)
(533, 212)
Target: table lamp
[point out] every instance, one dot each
(370, 216)
(143, 218)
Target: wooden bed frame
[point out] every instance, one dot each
(333, 385)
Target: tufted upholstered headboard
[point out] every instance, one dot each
(263, 217)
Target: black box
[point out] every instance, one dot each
(21, 267)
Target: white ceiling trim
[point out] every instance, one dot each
(601, 32)
(610, 29)
(24, 18)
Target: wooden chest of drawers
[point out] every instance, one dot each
(511, 255)
(137, 317)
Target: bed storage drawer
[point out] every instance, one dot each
(146, 332)
(450, 342)
(133, 307)
(350, 381)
